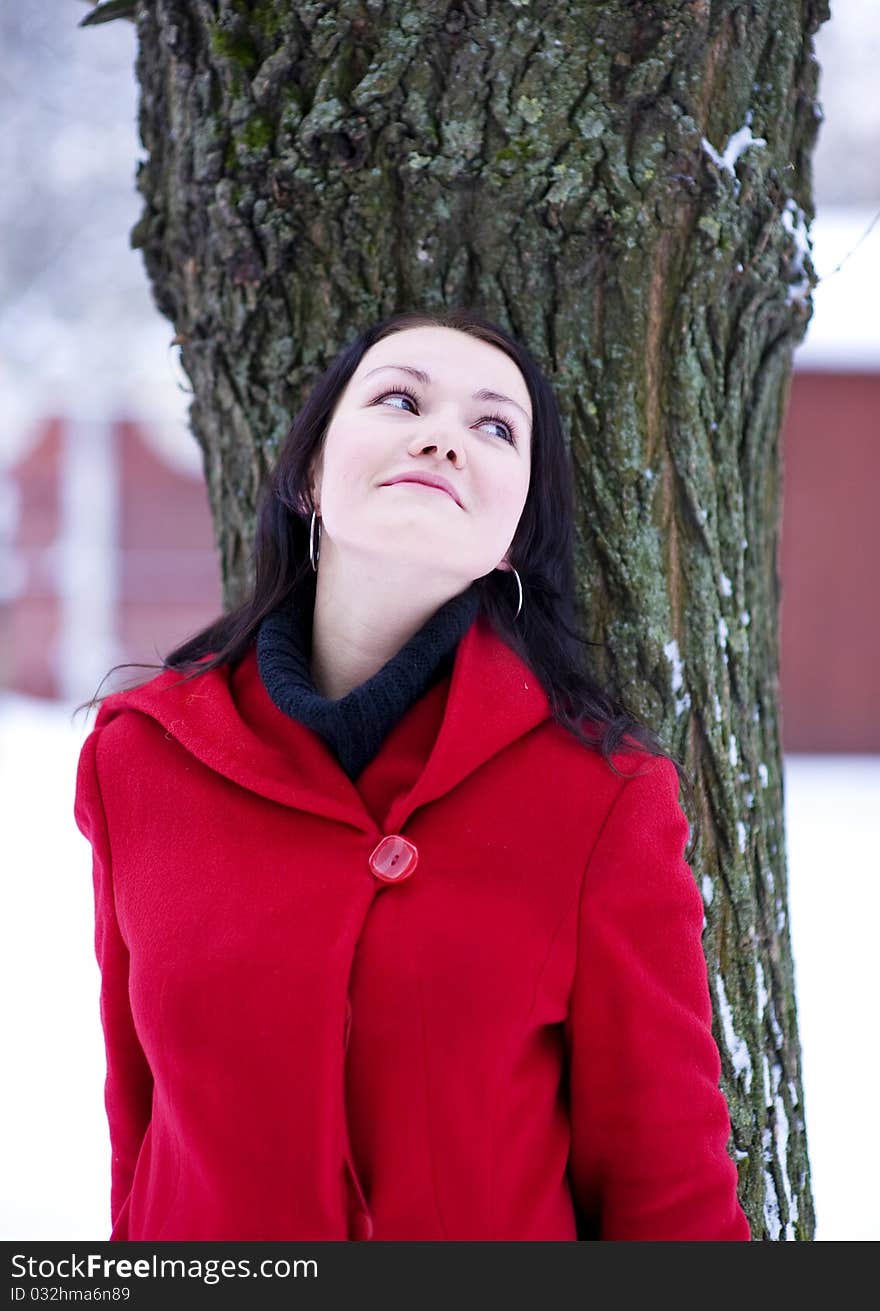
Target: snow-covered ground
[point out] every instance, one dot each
(55, 1178)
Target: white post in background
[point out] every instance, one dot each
(12, 570)
(86, 558)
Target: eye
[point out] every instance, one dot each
(487, 418)
(401, 391)
(496, 418)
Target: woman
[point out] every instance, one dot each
(396, 934)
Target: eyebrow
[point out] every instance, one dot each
(484, 394)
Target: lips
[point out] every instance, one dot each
(437, 485)
(417, 482)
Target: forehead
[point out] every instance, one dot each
(450, 358)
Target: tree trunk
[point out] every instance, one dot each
(627, 187)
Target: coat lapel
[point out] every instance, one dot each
(494, 698)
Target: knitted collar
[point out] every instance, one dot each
(356, 725)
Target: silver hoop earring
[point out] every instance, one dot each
(312, 556)
(519, 585)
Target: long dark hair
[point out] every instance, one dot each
(545, 635)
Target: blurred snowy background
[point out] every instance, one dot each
(94, 449)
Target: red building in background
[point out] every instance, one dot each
(111, 558)
(829, 562)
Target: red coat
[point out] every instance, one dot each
(318, 1030)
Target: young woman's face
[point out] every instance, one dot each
(378, 432)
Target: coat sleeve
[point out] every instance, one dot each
(128, 1085)
(649, 1124)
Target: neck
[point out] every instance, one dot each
(362, 618)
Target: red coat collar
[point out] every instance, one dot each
(493, 699)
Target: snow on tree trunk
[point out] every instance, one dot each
(627, 186)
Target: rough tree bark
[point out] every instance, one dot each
(628, 187)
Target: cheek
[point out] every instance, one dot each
(351, 452)
(504, 497)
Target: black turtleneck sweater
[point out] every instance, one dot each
(356, 725)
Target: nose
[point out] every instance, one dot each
(447, 448)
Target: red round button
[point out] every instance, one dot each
(394, 859)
